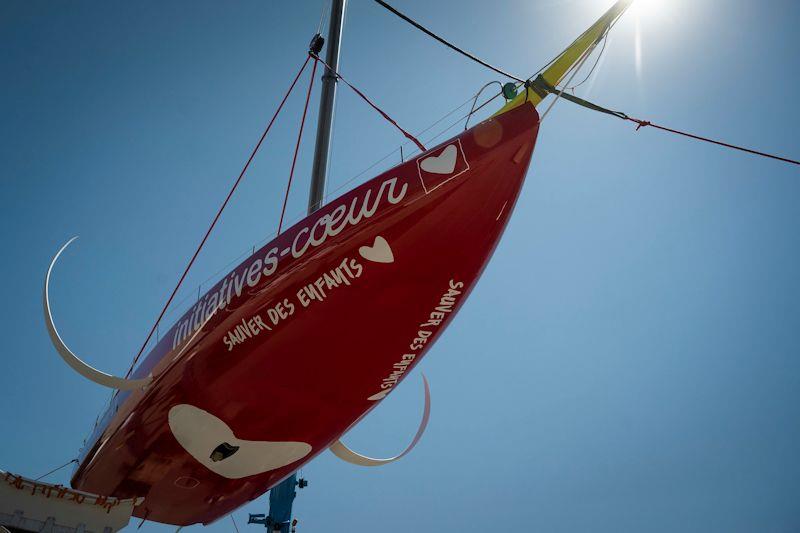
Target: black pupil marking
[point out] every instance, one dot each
(223, 451)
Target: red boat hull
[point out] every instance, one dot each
(305, 337)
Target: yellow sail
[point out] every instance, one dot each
(582, 46)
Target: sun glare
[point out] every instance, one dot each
(644, 11)
(649, 8)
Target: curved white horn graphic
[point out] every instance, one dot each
(346, 454)
(73, 360)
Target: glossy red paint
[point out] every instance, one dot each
(303, 338)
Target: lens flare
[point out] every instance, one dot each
(649, 8)
(645, 13)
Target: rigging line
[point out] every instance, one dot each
(482, 62)
(439, 121)
(372, 104)
(322, 15)
(475, 110)
(234, 523)
(387, 156)
(53, 471)
(433, 125)
(591, 70)
(390, 154)
(542, 84)
(216, 218)
(561, 91)
(432, 138)
(299, 216)
(452, 125)
(568, 47)
(645, 123)
(427, 129)
(299, 138)
(475, 101)
(603, 49)
(446, 42)
(605, 34)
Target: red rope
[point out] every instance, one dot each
(297, 145)
(375, 107)
(216, 218)
(644, 123)
(542, 84)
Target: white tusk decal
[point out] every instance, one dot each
(346, 454)
(73, 360)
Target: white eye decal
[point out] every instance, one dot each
(212, 443)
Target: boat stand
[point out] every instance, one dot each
(281, 498)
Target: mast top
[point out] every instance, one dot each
(572, 55)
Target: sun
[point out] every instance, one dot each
(649, 8)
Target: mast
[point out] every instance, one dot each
(319, 174)
(282, 495)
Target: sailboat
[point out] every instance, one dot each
(296, 344)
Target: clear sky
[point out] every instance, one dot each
(629, 361)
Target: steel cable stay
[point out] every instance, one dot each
(542, 84)
(53, 471)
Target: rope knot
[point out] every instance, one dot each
(642, 124)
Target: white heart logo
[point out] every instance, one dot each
(212, 443)
(444, 163)
(379, 252)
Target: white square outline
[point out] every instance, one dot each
(441, 148)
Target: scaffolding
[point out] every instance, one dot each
(34, 506)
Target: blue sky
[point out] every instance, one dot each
(629, 361)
